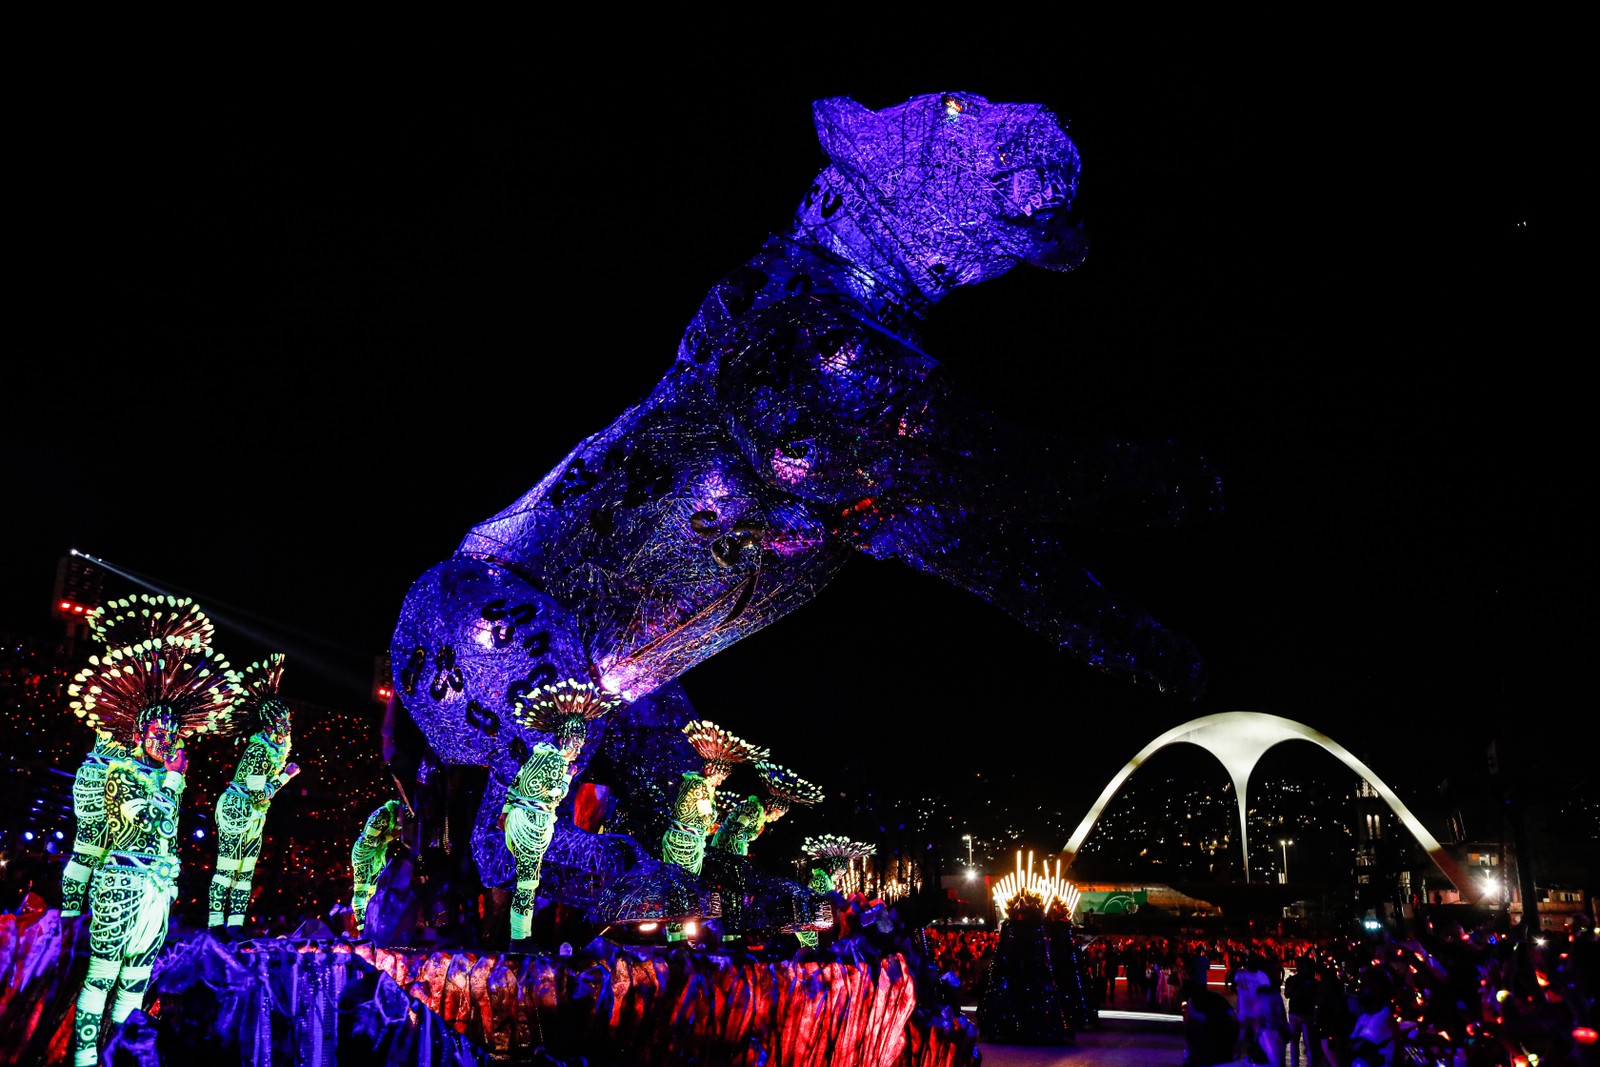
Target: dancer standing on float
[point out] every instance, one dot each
(262, 770)
(155, 693)
(116, 624)
(742, 825)
(726, 866)
(694, 810)
(835, 853)
(528, 817)
(89, 836)
(370, 855)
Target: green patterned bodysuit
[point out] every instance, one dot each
(130, 896)
(742, 826)
(822, 882)
(90, 834)
(370, 854)
(241, 817)
(693, 812)
(530, 810)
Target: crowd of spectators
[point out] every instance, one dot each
(1494, 995)
(964, 955)
(1491, 996)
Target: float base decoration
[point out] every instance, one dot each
(282, 1001)
(38, 984)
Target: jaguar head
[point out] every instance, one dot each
(954, 188)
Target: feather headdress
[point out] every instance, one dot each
(835, 851)
(548, 707)
(717, 747)
(129, 620)
(786, 788)
(255, 700)
(122, 688)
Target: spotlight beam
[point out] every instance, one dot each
(303, 647)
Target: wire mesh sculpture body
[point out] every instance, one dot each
(801, 422)
(370, 854)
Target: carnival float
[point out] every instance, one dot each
(801, 422)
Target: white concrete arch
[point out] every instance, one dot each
(1239, 739)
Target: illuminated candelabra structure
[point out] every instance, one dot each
(1047, 887)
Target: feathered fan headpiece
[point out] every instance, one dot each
(129, 620)
(123, 688)
(717, 747)
(256, 703)
(564, 709)
(785, 788)
(727, 802)
(834, 851)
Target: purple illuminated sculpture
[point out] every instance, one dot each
(800, 423)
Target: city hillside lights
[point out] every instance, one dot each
(1238, 739)
(1042, 884)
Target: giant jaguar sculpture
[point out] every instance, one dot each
(802, 422)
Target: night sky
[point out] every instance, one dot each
(289, 345)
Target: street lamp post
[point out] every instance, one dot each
(1284, 843)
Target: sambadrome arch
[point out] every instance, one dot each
(1239, 739)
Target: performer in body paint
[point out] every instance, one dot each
(528, 817)
(694, 810)
(835, 853)
(116, 624)
(370, 855)
(155, 694)
(262, 770)
(89, 835)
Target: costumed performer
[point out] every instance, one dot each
(263, 769)
(89, 833)
(835, 853)
(115, 624)
(155, 694)
(727, 863)
(370, 855)
(740, 826)
(694, 809)
(528, 817)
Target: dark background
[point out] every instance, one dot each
(287, 339)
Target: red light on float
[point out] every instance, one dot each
(1585, 1035)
